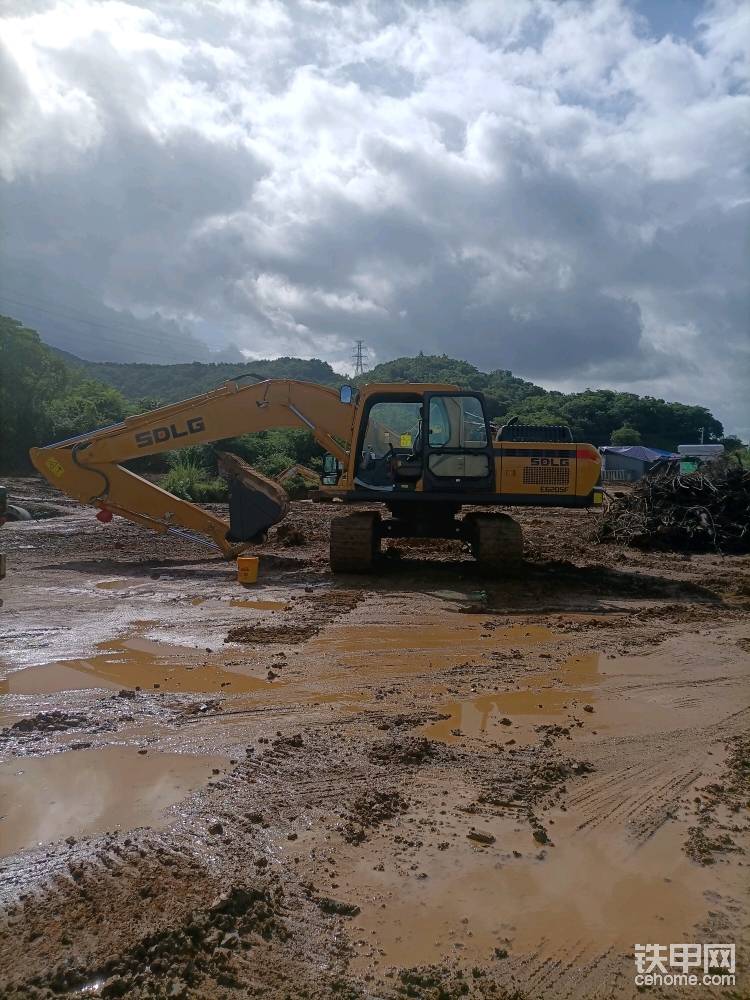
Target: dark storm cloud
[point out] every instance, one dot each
(556, 188)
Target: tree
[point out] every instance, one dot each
(732, 443)
(43, 398)
(627, 434)
(86, 407)
(31, 376)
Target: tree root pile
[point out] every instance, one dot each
(705, 511)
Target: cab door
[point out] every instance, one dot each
(457, 447)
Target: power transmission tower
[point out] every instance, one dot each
(359, 356)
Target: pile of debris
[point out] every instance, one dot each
(705, 511)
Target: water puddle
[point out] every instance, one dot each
(115, 584)
(589, 694)
(135, 662)
(89, 791)
(411, 648)
(548, 697)
(474, 597)
(240, 602)
(593, 892)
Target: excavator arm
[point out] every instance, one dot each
(88, 467)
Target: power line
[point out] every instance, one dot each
(76, 315)
(137, 335)
(359, 356)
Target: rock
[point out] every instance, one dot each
(115, 986)
(481, 837)
(328, 905)
(125, 693)
(215, 827)
(588, 708)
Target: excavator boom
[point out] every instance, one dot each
(88, 467)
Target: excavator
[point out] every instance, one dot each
(419, 451)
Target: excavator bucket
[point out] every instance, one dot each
(255, 501)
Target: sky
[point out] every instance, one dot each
(555, 188)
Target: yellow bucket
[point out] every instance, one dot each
(247, 569)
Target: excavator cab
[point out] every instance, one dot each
(431, 442)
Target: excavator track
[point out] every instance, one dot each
(355, 541)
(496, 541)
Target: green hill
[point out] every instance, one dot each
(50, 394)
(170, 383)
(593, 415)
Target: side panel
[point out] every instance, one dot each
(544, 470)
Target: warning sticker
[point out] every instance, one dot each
(55, 468)
(405, 441)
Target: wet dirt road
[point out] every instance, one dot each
(421, 783)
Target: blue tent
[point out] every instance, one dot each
(629, 462)
(638, 451)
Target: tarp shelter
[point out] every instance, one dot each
(630, 462)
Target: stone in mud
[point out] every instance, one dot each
(404, 752)
(215, 828)
(335, 906)
(260, 635)
(47, 722)
(481, 837)
(290, 536)
(115, 986)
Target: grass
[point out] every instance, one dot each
(190, 480)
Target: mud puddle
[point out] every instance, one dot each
(117, 584)
(135, 662)
(551, 696)
(90, 791)
(407, 648)
(585, 895)
(587, 695)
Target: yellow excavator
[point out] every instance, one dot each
(421, 451)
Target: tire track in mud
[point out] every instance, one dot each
(309, 791)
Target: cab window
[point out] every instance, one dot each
(393, 433)
(457, 422)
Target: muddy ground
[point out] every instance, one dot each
(421, 783)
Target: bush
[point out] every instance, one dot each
(190, 480)
(627, 434)
(298, 488)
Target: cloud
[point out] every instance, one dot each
(553, 187)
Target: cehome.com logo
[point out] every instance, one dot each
(685, 965)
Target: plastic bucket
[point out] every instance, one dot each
(247, 569)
